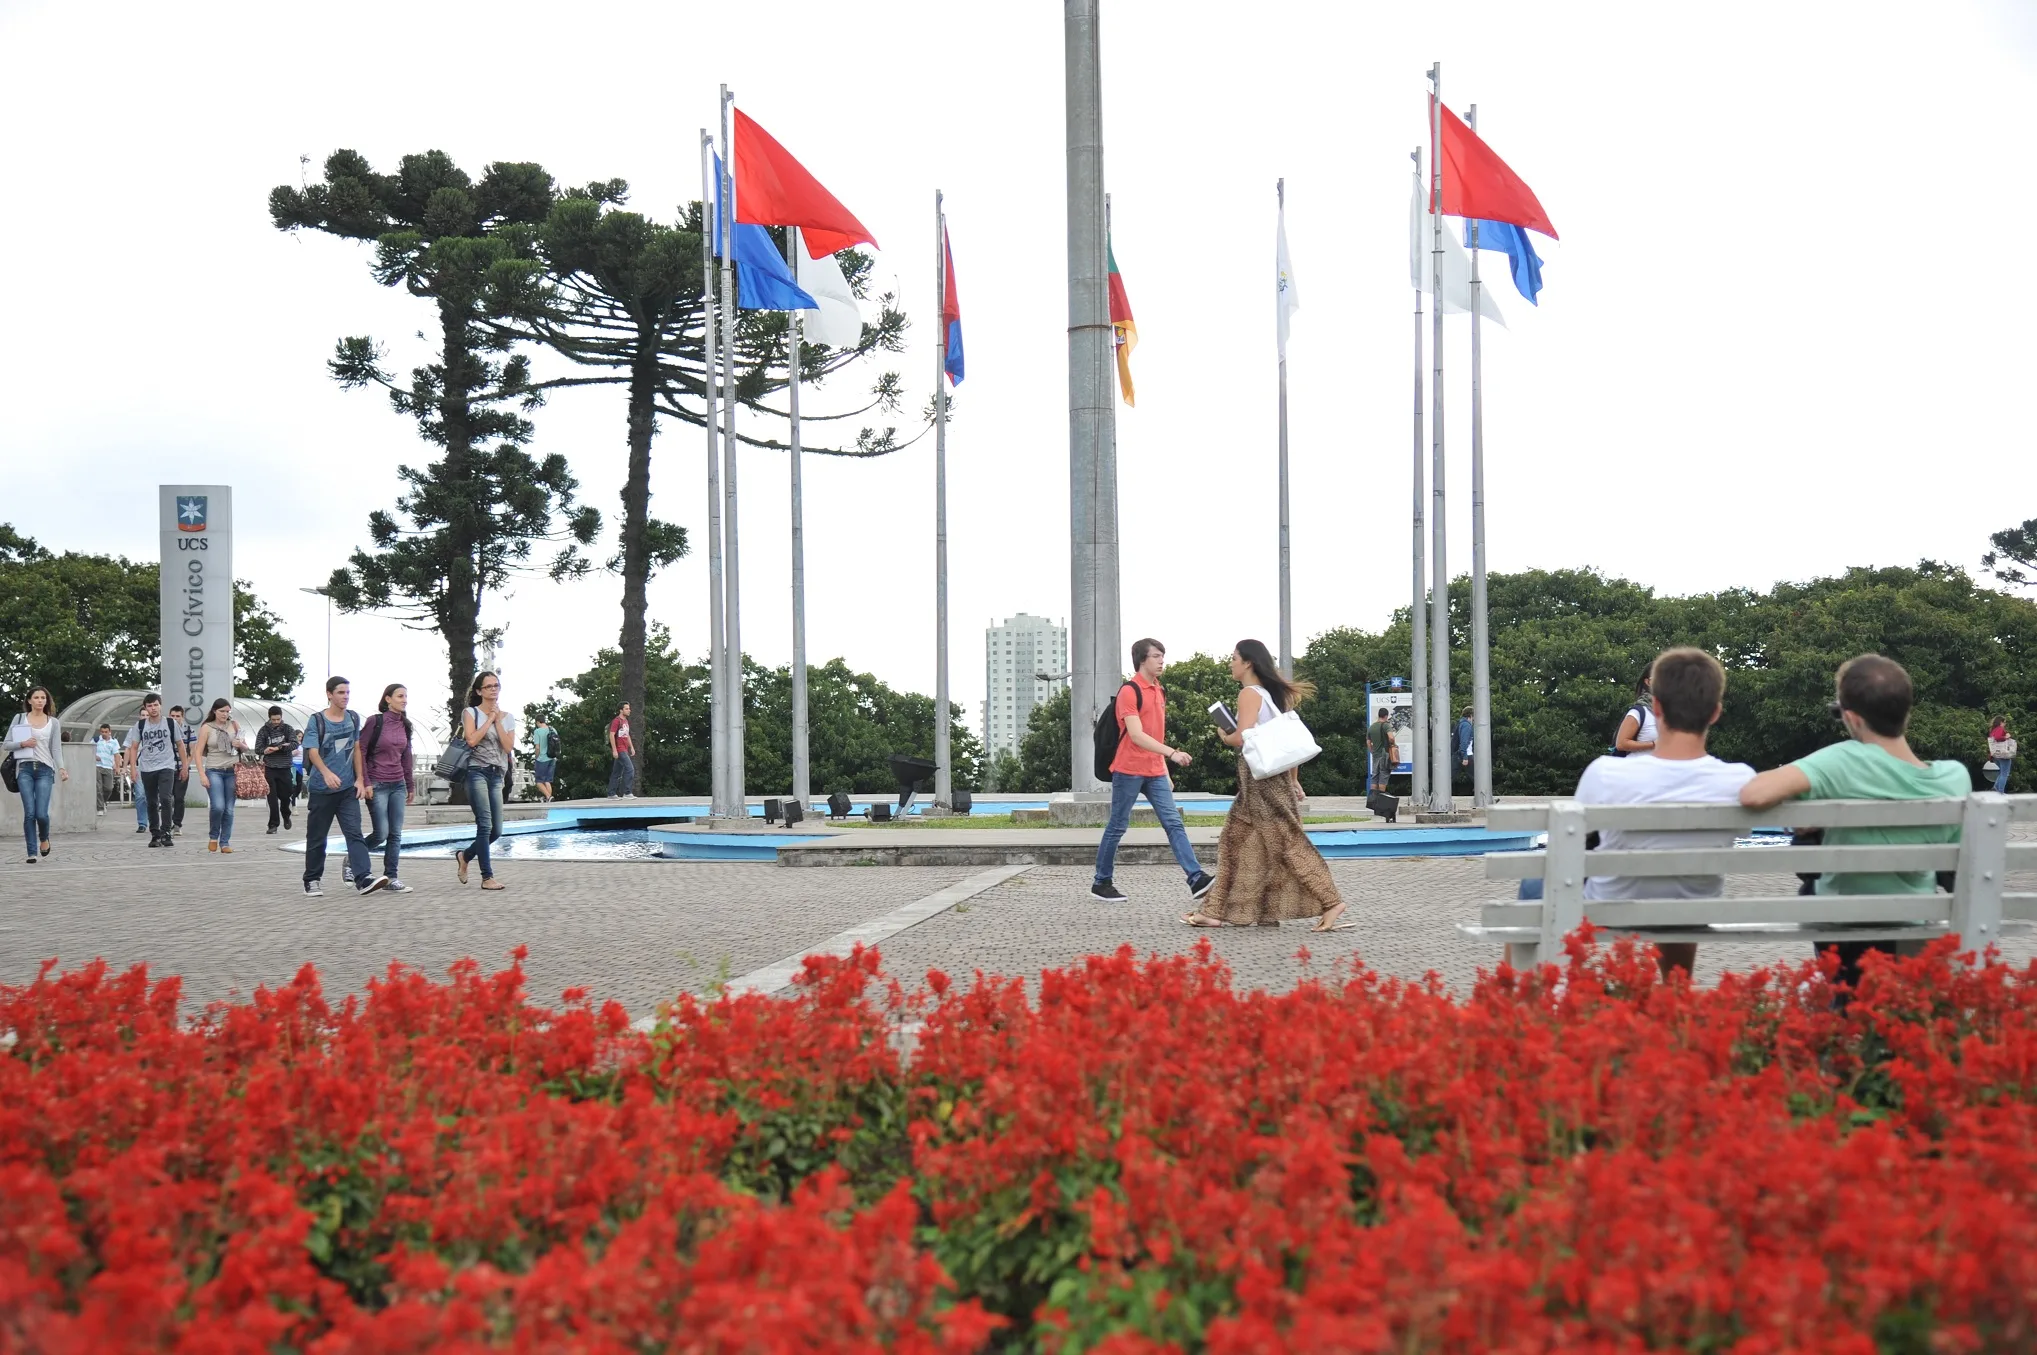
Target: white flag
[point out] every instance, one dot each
(839, 322)
(1286, 300)
(1456, 264)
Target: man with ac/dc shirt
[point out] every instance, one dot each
(276, 741)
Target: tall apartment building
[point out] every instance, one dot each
(1013, 653)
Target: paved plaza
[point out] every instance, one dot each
(642, 931)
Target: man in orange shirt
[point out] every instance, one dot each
(1140, 768)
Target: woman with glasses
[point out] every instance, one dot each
(490, 732)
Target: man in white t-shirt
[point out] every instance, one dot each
(1689, 688)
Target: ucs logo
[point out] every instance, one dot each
(190, 512)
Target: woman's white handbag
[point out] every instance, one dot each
(1280, 745)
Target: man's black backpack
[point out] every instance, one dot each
(1110, 731)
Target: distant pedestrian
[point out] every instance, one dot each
(622, 748)
(156, 748)
(335, 788)
(1380, 743)
(1268, 871)
(36, 739)
(1460, 745)
(277, 743)
(490, 732)
(1140, 768)
(186, 768)
(106, 757)
(1637, 727)
(387, 754)
(220, 744)
(544, 746)
(2001, 749)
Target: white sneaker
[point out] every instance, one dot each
(312, 890)
(396, 886)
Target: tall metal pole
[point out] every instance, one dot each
(944, 769)
(802, 789)
(1481, 654)
(1092, 452)
(1418, 613)
(1286, 558)
(716, 658)
(738, 803)
(1439, 594)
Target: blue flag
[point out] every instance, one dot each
(764, 280)
(1512, 241)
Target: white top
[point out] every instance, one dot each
(29, 744)
(1268, 711)
(1646, 733)
(1645, 780)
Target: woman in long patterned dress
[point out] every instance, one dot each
(1268, 872)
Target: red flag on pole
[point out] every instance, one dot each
(773, 189)
(1478, 184)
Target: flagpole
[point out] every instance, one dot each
(738, 801)
(1092, 451)
(1439, 595)
(1286, 566)
(1418, 613)
(802, 789)
(717, 698)
(1481, 655)
(944, 770)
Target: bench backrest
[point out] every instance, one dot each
(1982, 857)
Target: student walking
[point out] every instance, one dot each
(186, 768)
(220, 744)
(106, 760)
(1460, 745)
(544, 746)
(1379, 742)
(1140, 768)
(156, 748)
(334, 788)
(277, 743)
(2001, 750)
(1268, 872)
(387, 756)
(1875, 762)
(620, 747)
(1637, 727)
(35, 737)
(490, 732)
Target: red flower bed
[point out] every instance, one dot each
(1139, 1158)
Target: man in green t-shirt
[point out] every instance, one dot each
(1875, 696)
(544, 744)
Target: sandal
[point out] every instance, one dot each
(1339, 925)
(491, 883)
(1198, 920)
(460, 859)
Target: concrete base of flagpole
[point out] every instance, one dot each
(1445, 816)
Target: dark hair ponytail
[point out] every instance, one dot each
(1286, 695)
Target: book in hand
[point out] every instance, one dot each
(1222, 715)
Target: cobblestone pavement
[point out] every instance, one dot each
(642, 931)
(635, 931)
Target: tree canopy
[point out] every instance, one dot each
(1569, 645)
(78, 623)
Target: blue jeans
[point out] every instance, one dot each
(38, 779)
(2002, 774)
(141, 805)
(219, 797)
(385, 818)
(1125, 790)
(484, 797)
(622, 777)
(321, 808)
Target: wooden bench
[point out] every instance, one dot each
(1978, 910)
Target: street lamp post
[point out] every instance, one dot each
(325, 593)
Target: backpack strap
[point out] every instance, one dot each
(368, 741)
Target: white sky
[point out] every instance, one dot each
(1786, 330)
